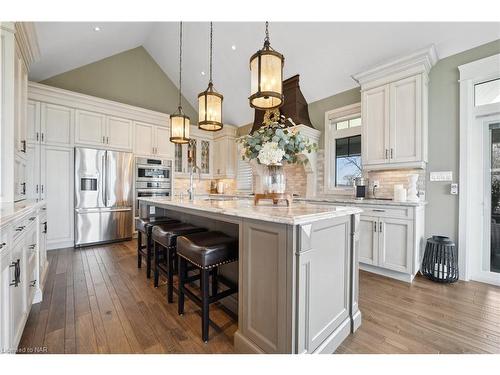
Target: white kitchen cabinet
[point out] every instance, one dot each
(394, 112)
(119, 133)
(164, 148)
(18, 298)
(375, 128)
(6, 272)
(20, 187)
(395, 244)
(406, 135)
(152, 140)
(20, 104)
(33, 121)
(56, 125)
(368, 237)
(224, 157)
(90, 128)
(59, 172)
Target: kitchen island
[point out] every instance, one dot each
(297, 270)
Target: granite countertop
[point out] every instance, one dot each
(11, 211)
(330, 199)
(297, 213)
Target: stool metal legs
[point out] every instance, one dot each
(139, 247)
(182, 277)
(205, 300)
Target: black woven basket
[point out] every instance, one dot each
(440, 261)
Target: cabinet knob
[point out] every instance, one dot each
(2, 245)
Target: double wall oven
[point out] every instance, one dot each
(153, 178)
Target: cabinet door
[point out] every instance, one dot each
(89, 128)
(144, 135)
(395, 244)
(119, 133)
(20, 104)
(205, 159)
(406, 120)
(33, 171)
(56, 125)
(42, 247)
(59, 196)
(375, 130)
(20, 187)
(33, 121)
(164, 148)
(6, 273)
(18, 295)
(368, 240)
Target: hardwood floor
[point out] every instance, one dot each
(97, 301)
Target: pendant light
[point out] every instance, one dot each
(210, 102)
(266, 71)
(179, 122)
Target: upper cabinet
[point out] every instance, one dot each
(153, 140)
(56, 125)
(394, 112)
(225, 153)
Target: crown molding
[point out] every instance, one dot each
(27, 41)
(420, 61)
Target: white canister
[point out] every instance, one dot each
(399, 193)
(220, 187)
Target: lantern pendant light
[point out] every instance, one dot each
(210, 102)
(179, 122)
(266, 71)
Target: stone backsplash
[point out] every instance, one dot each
(181, 185)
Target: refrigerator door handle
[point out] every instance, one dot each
(103, 178)
(91, 210)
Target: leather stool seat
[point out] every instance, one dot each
(166, 234)
(146, 224)
(208, 249)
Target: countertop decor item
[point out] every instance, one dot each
(275, 197)
(440, 261)
(179, 122)
(272, 145)
(399, 193)
(210, 101)
(266, 72)
(412, 195)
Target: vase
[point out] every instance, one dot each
(273, 180)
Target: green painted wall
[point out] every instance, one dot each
(131, 77)
(444, 129)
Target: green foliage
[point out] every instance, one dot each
(495, 194)
(289, 140)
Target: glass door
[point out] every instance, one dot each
(493, 194)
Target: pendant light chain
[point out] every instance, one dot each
(267, 42)
(211, 44)
(180, 66)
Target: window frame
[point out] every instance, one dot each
(238, 165)
(331, 135)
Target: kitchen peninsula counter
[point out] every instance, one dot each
(297, 270)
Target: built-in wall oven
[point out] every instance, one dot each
(153, 178)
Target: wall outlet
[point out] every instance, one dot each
(454, 189)
(441, 176)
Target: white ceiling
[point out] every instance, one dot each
(324, 54)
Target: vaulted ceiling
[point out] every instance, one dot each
(324, 54)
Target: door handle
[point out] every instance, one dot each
(378, 210)
(24, 188)
(2, 245)
(375, 226)
(23, 148)
(37, 188)
(103, 139)
(107, 140)
(17, 273)
(45, 227)
(37, 135)
(386, 153)
(380, 227)
(391, 153)
(43, 136)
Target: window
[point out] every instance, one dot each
(244, 177)
(342, 149)
(347, 160)
(487, 92)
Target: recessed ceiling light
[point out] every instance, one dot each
(97, 28)
(202, 73)
(233, 47)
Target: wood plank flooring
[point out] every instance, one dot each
(97, 301)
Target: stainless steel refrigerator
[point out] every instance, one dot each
(103, 196)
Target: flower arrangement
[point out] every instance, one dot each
(274, 143)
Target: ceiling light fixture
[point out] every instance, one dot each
(202, 73)
(210, 101)
(97, 28)
(179, 122)
(266, 71)
(233, 47)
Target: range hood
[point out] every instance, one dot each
(294, 106)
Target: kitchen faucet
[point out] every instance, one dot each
(191, 186)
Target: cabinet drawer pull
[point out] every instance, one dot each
(375, 226)
(45, 227)
(386, 153)
(2, 245)
(32, 246)
(32, 283)
(17, 273)
(19, 229)
(107, 140)
(23, 148)
(37, 136)
(43, 136)
(378, 210)
(103, 139)
(32, 218)
(391, 153)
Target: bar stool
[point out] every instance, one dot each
(145, 226)
(165, 240)
(206, 252)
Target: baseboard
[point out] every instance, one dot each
(333, 341)
(356, 321)
(41, 284)
(401, 276)
(55, 245)
(242, 345)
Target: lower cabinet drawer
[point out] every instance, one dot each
(400, 212)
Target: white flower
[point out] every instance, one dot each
(270, 153)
